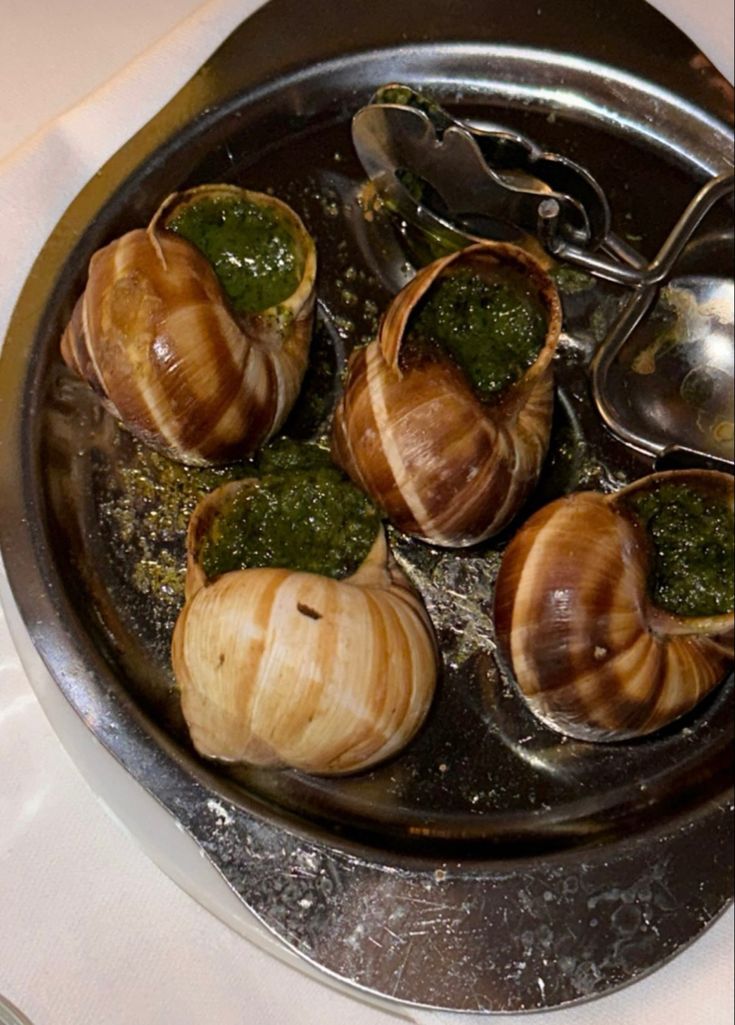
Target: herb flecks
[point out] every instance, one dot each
(692, 539)
(253, 252)
(300, 514)
(492, 328)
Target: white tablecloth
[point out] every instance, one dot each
(91, 931)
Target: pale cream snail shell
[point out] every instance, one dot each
(443, 464)
(156, 337)
(592, 653)
(284, 668)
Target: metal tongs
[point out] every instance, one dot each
(482, 180)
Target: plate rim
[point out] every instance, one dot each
(11, 420)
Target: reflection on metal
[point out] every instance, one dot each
(665, 384)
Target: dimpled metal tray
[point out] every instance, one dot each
(493, 865)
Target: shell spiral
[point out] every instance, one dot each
(285, 668)
(443, 464)
(155, 336)
(592, 656)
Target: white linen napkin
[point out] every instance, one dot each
(36, 185)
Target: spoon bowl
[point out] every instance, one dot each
(669, 386)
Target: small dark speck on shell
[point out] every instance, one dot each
(306, 610)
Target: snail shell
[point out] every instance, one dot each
(278, 667)
(156, 337)
(443, 464)
(591, 653)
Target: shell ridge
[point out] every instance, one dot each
(391, 447)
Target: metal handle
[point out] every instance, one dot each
(643, 275)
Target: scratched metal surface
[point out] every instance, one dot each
(493, 865)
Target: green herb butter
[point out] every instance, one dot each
(308, 518)
(493, 329)
(284, 455)
(253, 252)
(692, 538)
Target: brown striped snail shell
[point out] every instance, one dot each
(284, 668)
(591, 653)
(156, 337)
(444, 465)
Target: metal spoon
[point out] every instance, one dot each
(665, 385)
(662, 380)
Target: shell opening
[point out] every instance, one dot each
(253, 246)
(690, 527)
(301, 515)
(485, 316)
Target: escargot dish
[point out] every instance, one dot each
(301, 642)
(446, 416)
(615, 612)
(195, 331)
